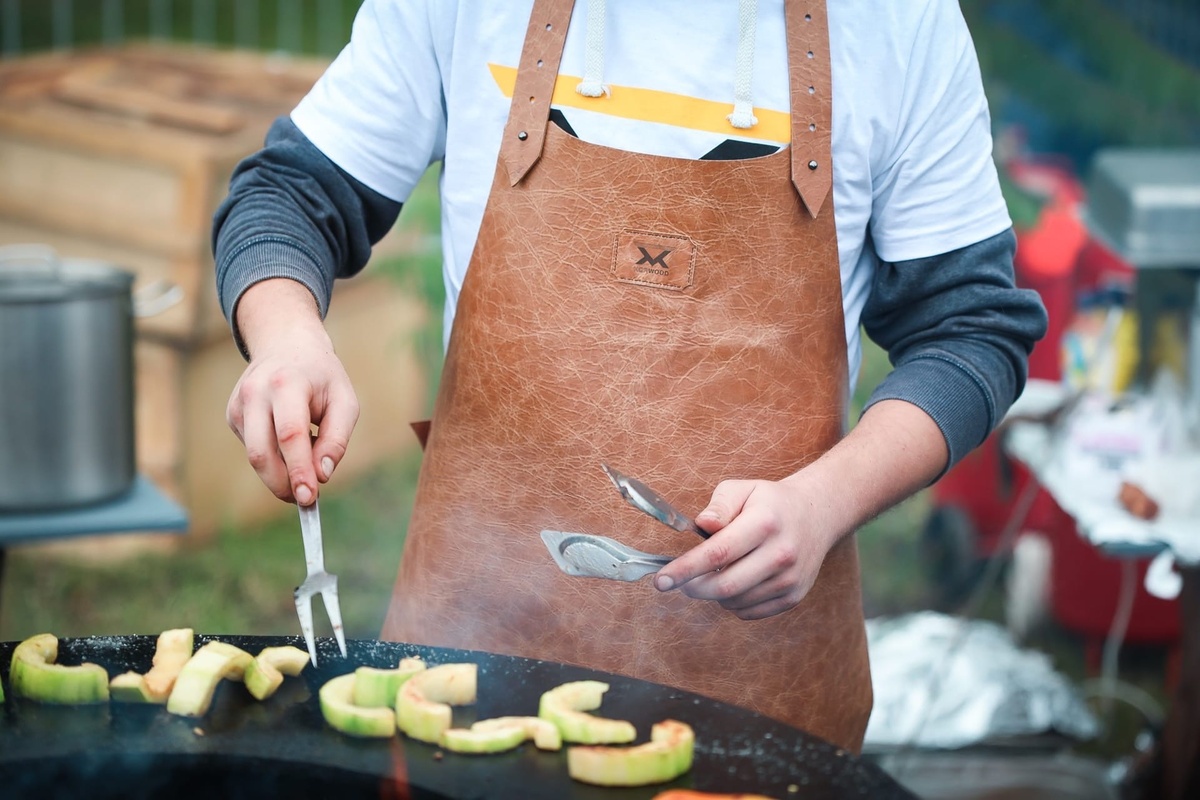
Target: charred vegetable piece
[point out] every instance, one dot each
(340, 712)
(130, 687)
(265, 673)
(502, 733)
(34, 674)
(199, 677)
(665, 757)
(377, 688)
(567, 706)
(544, 733)
(423, 702)
(172, 651)
(497, 740)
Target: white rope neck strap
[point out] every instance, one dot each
(592, 84)
(742, 116)
(743, 76)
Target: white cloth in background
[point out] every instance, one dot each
(1086, 485)
(942, 681)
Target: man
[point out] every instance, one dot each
(694, 205)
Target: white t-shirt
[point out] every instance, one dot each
(429, 80)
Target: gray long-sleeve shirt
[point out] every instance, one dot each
(955, 327)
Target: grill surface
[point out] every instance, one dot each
(246, 748)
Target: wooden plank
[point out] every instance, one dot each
(164, 104)
(119, 200)
(86, 91)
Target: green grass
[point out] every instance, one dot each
(239, 583)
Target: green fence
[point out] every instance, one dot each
(315, 27)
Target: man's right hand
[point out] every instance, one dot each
(294, 381)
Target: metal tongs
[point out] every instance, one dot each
(318, 582)
(592, 556)
(643, 498)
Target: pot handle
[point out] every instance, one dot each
(156, 297)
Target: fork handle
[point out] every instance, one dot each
(310, 531)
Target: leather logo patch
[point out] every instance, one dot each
(653, 259)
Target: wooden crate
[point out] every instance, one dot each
(123, 155)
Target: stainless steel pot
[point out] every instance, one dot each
(66, 380)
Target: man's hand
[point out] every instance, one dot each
(771, 537)
(769, 541)
(294, 381)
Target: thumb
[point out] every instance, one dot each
(727, 501)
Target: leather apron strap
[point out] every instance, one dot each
(808, 72)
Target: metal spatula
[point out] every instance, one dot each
(589, 556)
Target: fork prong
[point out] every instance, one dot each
(304, 612)
(334, 610)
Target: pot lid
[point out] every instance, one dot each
(52, 280)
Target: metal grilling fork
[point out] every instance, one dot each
(318, 581)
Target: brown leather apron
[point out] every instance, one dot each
(680, 320)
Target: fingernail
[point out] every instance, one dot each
(663, 583)
(327, 466)
(304, 495)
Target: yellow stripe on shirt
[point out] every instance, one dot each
(649, 105)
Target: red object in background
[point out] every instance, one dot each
(1046, 261)
(1058, 259)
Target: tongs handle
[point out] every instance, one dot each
(645, 499)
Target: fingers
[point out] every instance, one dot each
(767, 581)
(292, 425)
(272, 410)
(760, 575)
(712, 555)
(251, 418)
(727, 501)
(762, 558)
(736, 539)
(335, 424)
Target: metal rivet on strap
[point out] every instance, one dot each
(522, 135)
(812, 165)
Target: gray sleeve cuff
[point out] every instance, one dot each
(950, 393)
(261, 258)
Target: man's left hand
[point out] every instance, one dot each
(769, 538)
(769, 541)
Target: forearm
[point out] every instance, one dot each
(279, 311)
(895, 450)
